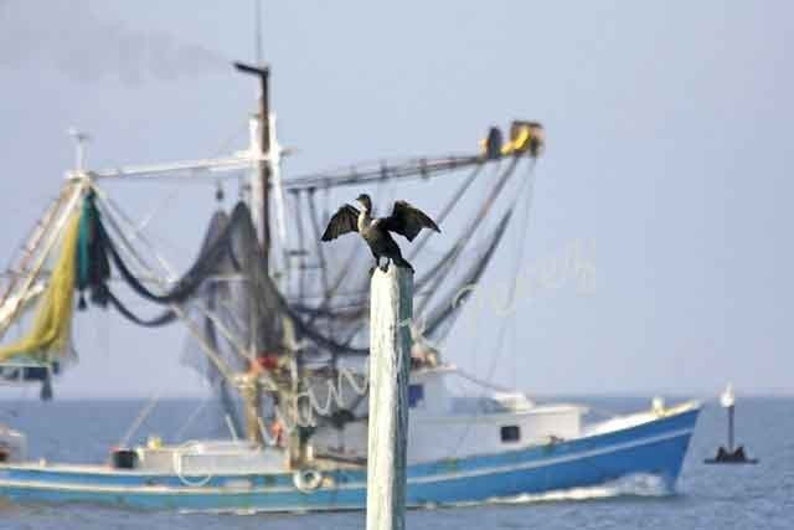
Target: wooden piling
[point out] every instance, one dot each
(391, 311)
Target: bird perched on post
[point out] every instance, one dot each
(404, 220)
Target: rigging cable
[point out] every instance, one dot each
(139, 419)
(43, 226)
(440, 272)
(481, 382)
(425, 237)
(447, 312)
(301, 250)
(316, 229)
(76, 190)
(500, 337)
(212, 355)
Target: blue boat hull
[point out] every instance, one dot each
(657, 448)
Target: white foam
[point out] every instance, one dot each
(641, 485)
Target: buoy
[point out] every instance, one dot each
(730, 455)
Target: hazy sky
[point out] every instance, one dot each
(668, 156)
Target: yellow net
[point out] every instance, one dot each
(52, 325)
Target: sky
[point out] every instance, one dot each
(668, 162)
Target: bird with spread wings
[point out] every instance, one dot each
(404, 220)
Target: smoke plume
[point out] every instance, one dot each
(69, 36)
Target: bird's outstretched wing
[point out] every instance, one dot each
(343, 221)
(408, 221)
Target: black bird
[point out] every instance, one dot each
(404, 220)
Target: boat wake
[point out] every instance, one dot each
(636, 485)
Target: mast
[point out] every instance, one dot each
(251, 390)
(261, 192)
(260, 198)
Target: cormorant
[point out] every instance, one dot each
(404, 220)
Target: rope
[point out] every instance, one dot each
(43, 225)
(190, 419)
(498, 349)
(212, 355)
(142, 415)
(301, 257)
(240, 349)
(320, 255)
(193, 278)
(230, 425)
(272, 441)
(425, 237)
(114, 211)
(481, 382)
(444, 265)
(447, 312)
(163, 319)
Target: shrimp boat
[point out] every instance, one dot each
(277, 325)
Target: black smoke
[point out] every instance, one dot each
(71, 37)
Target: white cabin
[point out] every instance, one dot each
(442, 425)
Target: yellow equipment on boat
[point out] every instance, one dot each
(525, 137)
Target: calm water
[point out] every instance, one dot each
(760, 496)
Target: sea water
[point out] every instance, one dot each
(708, 496)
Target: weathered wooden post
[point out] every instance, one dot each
(391, 311)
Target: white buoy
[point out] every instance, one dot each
(391, 311)
(731, 454)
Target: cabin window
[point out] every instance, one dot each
(416, 393)
(510, 433)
